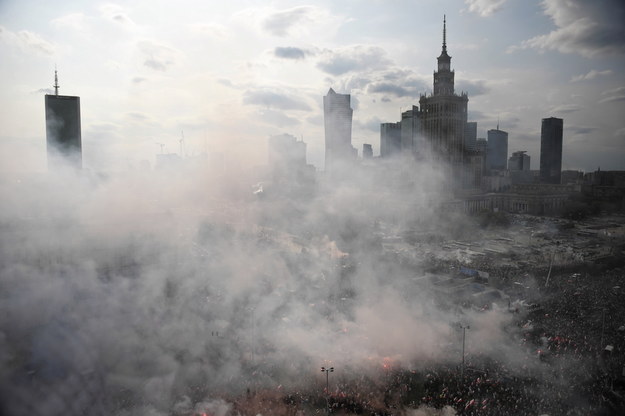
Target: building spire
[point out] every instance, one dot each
(444, 34)
(56, 82)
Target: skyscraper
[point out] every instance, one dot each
(551, 150)
(337, 117)
(63, 132)
(470, 136)
(410, 131)
(497, 154)
(519, 161)
(390, 139)
(444, 113)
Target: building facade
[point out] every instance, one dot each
(390, 139)
(410, 131)
(551, 150)
(63, 130)
(519, 161)
(470, 136)
(337, 117)
(444, 115)
(497, 158)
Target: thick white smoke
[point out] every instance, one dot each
(147, 292)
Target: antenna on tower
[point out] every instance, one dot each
(56, 82)
(444, 33)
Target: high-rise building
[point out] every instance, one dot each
(337, 117)
(497, 155)
(390, 139)
(444, 114)
(285, 152)
(63, 132)
(551, 150)
(410, 130)
(519, 161)
(470, 136)
(367, 151)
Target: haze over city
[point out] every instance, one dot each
(237, 208)
(239, 71)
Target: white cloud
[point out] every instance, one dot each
(216, 31)
(566, 108)
(353, 58)
(74, 21)
(27, 41)
(484, 7)
(614, 95)
(271, 98)
(592, 74)
(117, 15)
(584, 27)
(156, 56)
(280, 23)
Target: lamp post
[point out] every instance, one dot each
(553, 256)
(327, 371)
(464, 330)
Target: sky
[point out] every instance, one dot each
(224, 76)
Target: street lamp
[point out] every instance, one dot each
(327, 371)
(464, 330)
(553, 255)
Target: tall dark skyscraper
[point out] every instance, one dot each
(497, 154)
(444, 113)
(390, 139)
(337, 117)
(63, 131)
(551, 150)
(470, 136)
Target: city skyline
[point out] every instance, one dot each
(236, 74)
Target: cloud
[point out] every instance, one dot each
(484, 7)
(583, 27)
(138, 80)
(27, 41)
(566, 108)
(276, 100)
(226, 83)
(472, 87)
(290, 52)
(392, 89)
(48, 91)
(615, 95)
(277, 118)
(620, 133)
(74, 21)
(371, 124)
(613, 99)
(580, 130)
(136, 116)
(353, 58)
(157, 57)
(619, 90)
(213, 30)
(592, 74)
(117, 15)
(280, 23)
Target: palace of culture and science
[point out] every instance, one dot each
(438, 130)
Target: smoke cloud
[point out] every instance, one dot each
(168, 291)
